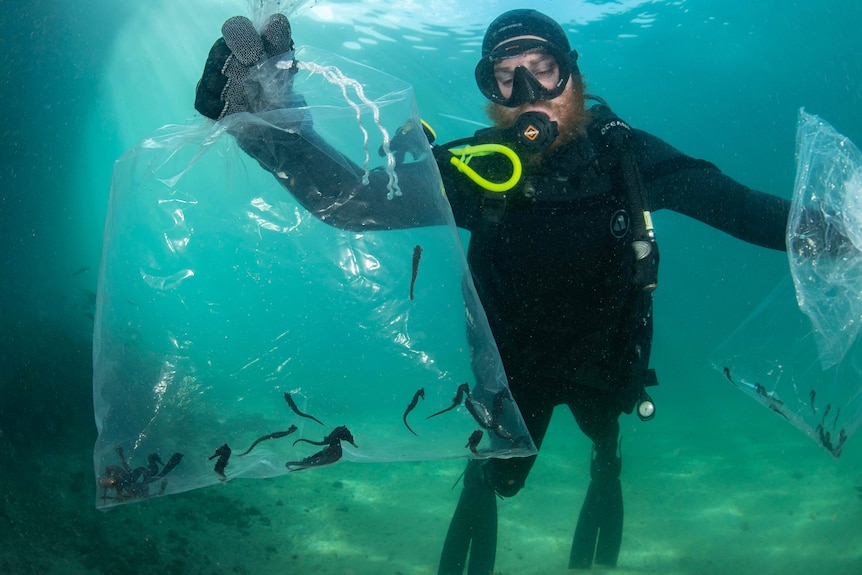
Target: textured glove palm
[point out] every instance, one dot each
(221, 90)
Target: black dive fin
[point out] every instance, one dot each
(611, 527)
(600, 526)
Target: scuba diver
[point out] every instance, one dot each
(562, 252)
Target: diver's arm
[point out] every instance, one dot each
(700, 190)
(241, 74)
(306, 164)
(330, 186)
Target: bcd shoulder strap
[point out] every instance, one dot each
(611, 137)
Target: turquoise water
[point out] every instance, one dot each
(715, 484)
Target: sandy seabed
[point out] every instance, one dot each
(745, 494)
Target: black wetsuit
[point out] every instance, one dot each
(553, 268)
(552, 264)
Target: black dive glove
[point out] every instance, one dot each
(221, 89)
(820, 233)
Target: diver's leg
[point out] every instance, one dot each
(473, 527)
(474, 524)
(598, 534)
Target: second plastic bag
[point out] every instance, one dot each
(800, 356)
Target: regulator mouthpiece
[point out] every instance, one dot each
(535, 131)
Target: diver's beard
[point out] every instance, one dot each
(568, 108)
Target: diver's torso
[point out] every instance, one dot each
(556, 268)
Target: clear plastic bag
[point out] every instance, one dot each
(824, 235)
(228, 313)
(800, 356)
(772, 357)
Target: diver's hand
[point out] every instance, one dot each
(220, 91)
(817, 234)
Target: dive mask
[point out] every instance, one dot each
(525, 86)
